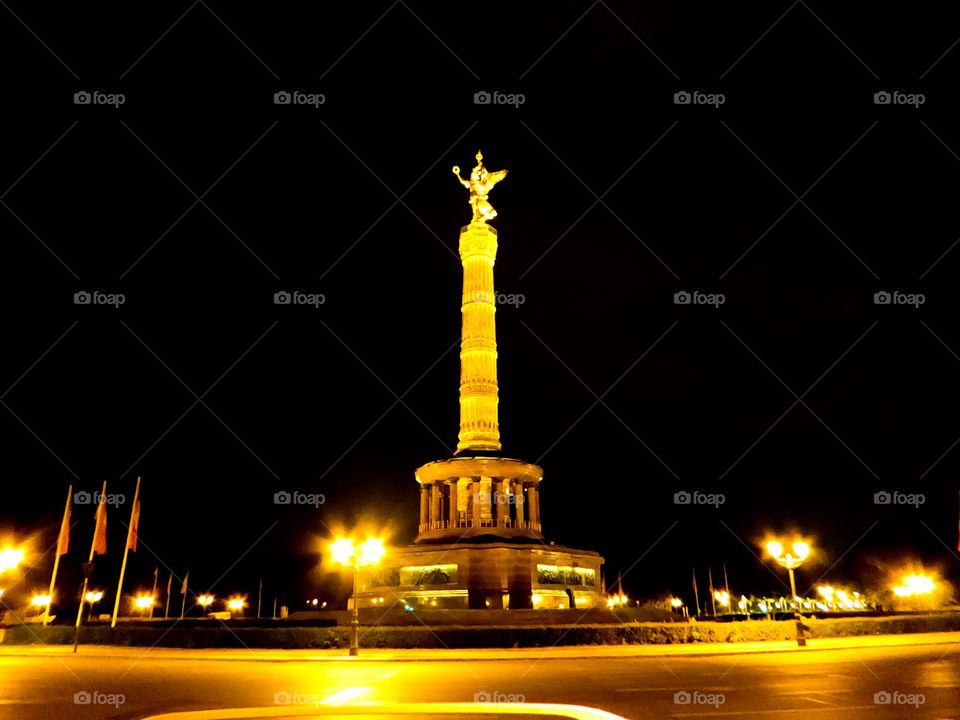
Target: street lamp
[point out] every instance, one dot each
(91, 597)
(915, 585)
(205, 601)
(10, 558)
(41, 601)
(144, 602)
(236, 603)
(678, 606)
(346, 553)
(791, 560)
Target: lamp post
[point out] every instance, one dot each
(236, 604)
(205, 601)
(145, 603)
(346, 553)
(791, 561)
(91, 598)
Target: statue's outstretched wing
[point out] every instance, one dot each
(495, 177)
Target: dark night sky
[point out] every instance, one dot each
(355, 200)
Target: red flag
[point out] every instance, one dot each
(134, 529)
(63, 540)
(100, 532)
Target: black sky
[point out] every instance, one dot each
(798, 199)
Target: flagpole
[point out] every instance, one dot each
(153, 596)
(166, 610)
(88, 568)
(696, 593)
(712, 598)
(726, 588)
(126, 549)
(259, 597)
(56, 556)
(183, 603)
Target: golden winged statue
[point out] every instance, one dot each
(480, 184)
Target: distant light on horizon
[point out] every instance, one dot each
(10, 558)
(237, 603)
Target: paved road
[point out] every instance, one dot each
(922, 681)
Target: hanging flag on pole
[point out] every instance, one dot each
(63, 545)
(132, 529)
(713, 598)
(153, 595)
(183, 591)
(166, 609)
(696, 592)
(97, 547)
(100, 531)
(63, 539)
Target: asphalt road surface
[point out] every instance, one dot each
(920, 681)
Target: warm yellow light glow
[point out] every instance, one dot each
(676, 602)
(618, 600)
(40, 600)
(144, 601)
(775, 548)
(205, 600)
(345, 552)
(826, 591)
(722, 597)
(10, 558)
(372, 551)
(792, 558)
(342, 551)
(914, 585)
(93, 596)
(236, 603)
